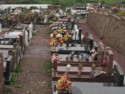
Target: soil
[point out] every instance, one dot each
(33, 78)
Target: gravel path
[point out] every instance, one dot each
(33, 78)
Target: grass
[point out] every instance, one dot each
(47, 68)
(33, 33)
(7, 90)
(65, 2)
(18, 85)
(14, 77)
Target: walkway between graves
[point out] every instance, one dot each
(33, 77)
(117, 56)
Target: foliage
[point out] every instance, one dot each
(66, 2)
(33, 7)
(7, 90)
(49, 84)
(51, 16)
(34, 33)
(121, 13)
(47, 68)
(18, 85)
(14, 76)
(18, 69)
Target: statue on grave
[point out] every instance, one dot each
(46, 19)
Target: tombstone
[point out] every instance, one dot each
(26, 38)
(30, 30)
(0, 27)
(72, 24)
(46, 19)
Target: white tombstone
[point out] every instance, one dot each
(75, 33)
(61, 12)
(26, 38)
(30, 30)
(0, 27)
(46, 19)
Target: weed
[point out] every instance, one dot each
(47, 68)
(34, 33)
(18, 85)
(14, 76)
(7, 90)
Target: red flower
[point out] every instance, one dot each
(104, 64)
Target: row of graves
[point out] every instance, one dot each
(24, 15)
(13, 44)
(76, 57)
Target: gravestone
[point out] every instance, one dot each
(26, 38)
(30, 30)
(46, 19)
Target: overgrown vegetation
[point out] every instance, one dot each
(121, 13)
(7, 90)
(66, 2)
(14, 76)
(47, 68)
(34, 33)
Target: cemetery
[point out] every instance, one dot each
(77, 60)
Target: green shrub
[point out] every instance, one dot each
(33, 33)
(47, 68)
(33, 7)
(121, 13)
(7, 90)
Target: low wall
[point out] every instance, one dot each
(110, 27)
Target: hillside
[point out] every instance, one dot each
(65, 2)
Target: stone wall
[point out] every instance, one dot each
(110, 27)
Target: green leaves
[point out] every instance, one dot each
(47, 68)
(14, 76)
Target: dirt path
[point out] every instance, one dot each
(33, 78)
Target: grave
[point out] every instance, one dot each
(14, 45)
(7, 65)
(84, 71)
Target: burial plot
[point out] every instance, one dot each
(81, 70)
(7, 65)
(15, 51)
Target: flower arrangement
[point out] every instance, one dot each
(64, 85)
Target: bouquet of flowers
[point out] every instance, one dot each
(64, 85)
